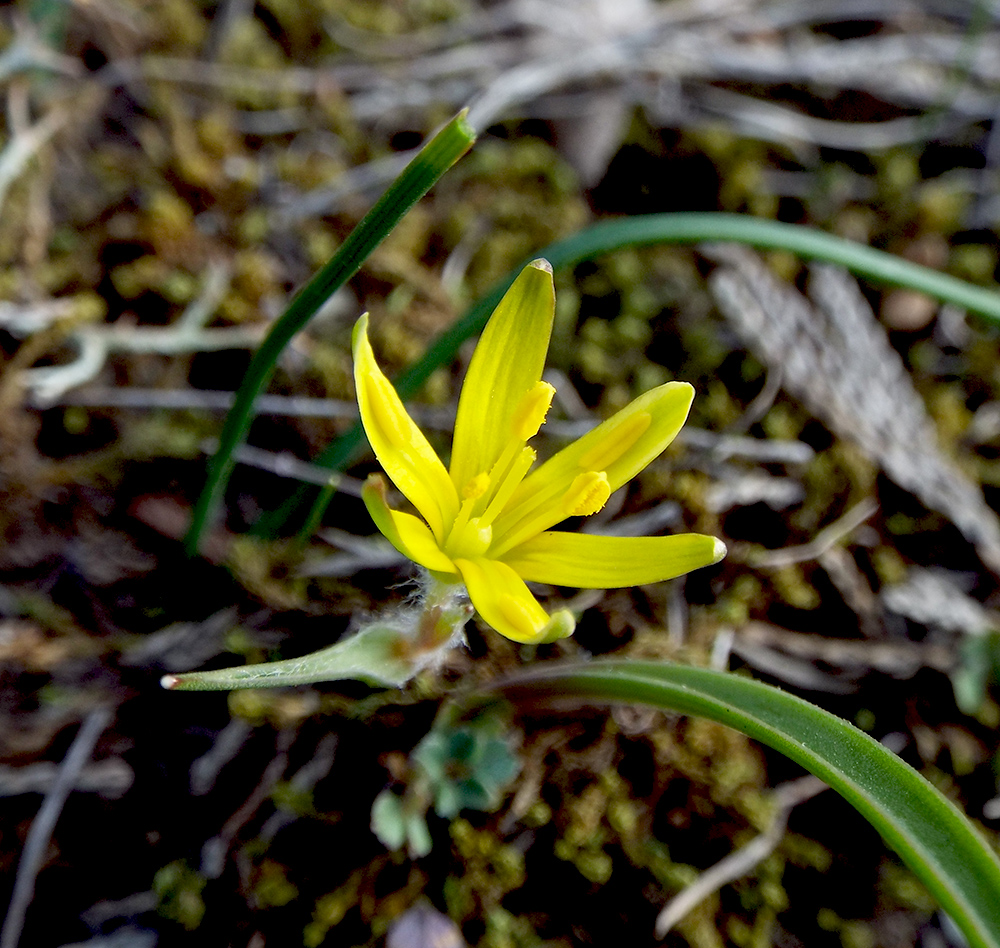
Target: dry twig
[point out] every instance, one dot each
(741, 861)
(37, 843)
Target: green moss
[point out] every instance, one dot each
(974, 262)
(905, 889)
(519, 196)
(271, 888)
(179, 892)
(330, 910)
(485, 871)
(743, 596)
(794, 588)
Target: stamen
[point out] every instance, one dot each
(616, 442)
(588, 494)
(464, 513)
(497, 474)
(475, 488)
(514, 462)
(509, 484)
(530, 414)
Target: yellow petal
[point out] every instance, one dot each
(406, 533)
(502, 599)
(400, 446)
(620, 447)
(505, 367)
(593, 562)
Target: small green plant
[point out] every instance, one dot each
(483, 530)
(978, 665)
(461, 766)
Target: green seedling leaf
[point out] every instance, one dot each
(389, 820)
(372, 655)
(465, 767)
(397, 823)
(978, 667)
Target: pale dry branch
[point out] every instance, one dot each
(823, 541)
(42, 826)
(836, 359)
(94, 344)
(742, 861)
(24, 145)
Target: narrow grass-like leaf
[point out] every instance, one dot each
(433, 160)
(875, 265)
(932, 836)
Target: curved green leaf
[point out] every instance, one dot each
(932, 836)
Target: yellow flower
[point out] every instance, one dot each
(485, 520)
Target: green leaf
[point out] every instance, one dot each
(389, 820)
(466, 767)
(978, 662)
(398, 824)
(932, 836)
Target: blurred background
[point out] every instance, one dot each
(171, 170)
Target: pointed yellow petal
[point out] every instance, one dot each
(505, 367)
(502, 599)
(400, 446)
(620, 447)
(592, 562)
(406, 533)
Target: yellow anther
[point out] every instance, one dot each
(476, 487)
(387, 414)
(588, 494)
(616, 442)
(530, 414)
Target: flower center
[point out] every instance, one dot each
(485, 495)
(469, 537)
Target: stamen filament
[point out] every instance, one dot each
(509, 484)
(514, 525)
(461, 522)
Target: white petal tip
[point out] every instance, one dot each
(169, 682)
(719, 552)
(541, 264)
